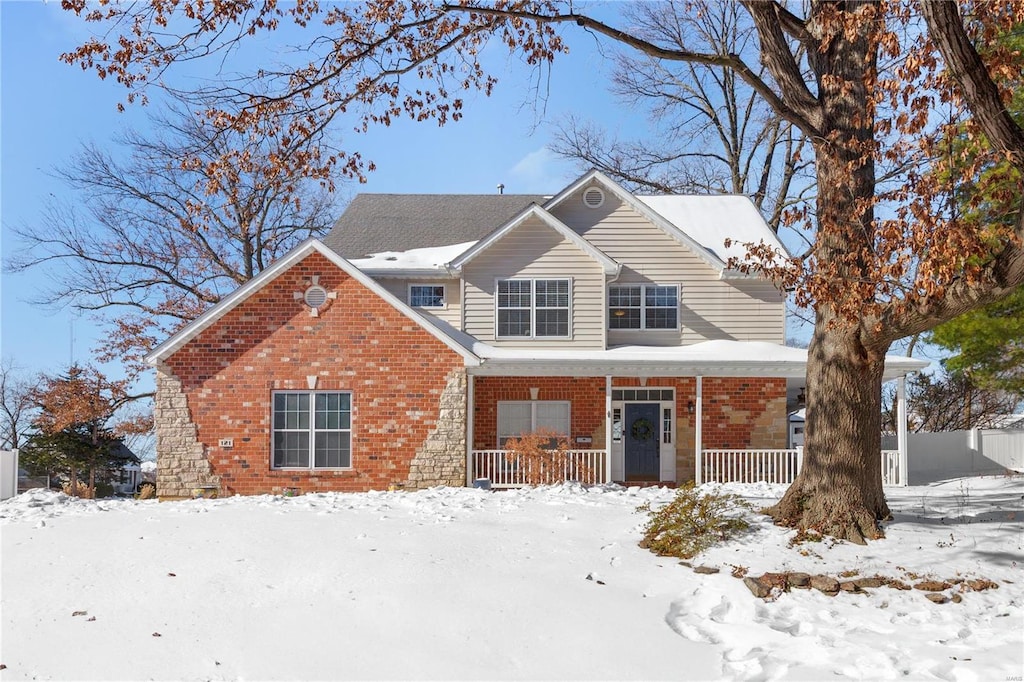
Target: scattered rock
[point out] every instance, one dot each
(157, 634)
(757, 588)
(932, 585)
(824, 583)
(896, 584)
(937, 597)
(681, 563)
(863, 583)
(776, 580)
(801, 580)
(956, 598)
(850, 586)
(79, 613)
(705, 570)
(980, 584)
(90, 619)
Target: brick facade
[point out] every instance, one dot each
(399, 374)
(738, 413)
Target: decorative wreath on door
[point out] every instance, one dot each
(642, 429)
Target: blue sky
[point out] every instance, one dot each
(47, 109)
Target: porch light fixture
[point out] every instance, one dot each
(689, 407)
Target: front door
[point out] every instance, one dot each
(641, 435)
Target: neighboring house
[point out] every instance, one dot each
(128, 475)
(426, 330)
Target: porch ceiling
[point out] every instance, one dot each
(709, 358)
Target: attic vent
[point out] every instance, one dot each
(593, 197)
(315, 296)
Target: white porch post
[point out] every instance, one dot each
(469, 430)
(698, 436)
(608, 428)
(901, 427)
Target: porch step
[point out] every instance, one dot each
(648, 484)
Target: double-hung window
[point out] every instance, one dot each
(533, 308)
(520, 417)
(426, 295)
(643, 306)
(312, 430)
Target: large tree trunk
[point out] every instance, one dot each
(839, 490)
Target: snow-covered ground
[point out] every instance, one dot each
(545, 583)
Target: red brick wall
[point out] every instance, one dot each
(585, 393)
(395, 369)
(744, 413)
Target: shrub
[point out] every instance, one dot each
(543, 457)
(84, 491)
(693, 521)
(147, 491)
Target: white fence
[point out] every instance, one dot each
(505, 469)
(8, 473)
(776, 466)
(952, 454)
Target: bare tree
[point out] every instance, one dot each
(711, 132)
(949, 401)
(18, 407)
(160, 231)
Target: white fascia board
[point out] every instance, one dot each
(306, 248)
(534, 211)
(386, 273)
(646, 211)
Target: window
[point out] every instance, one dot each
(516, 418)
(533, 308)
(426, 295)
(647, 306)
(312, 430)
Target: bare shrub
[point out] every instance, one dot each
(543, 458)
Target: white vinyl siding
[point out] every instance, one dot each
(450, 313)
(534, 251)
(710, 308)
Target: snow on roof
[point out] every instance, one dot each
(430, 258)
(710, 220)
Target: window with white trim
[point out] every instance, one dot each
(426, 295)
(519, 417)
(643, 306)
(312, 430)
(533, 308)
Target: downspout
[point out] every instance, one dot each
(697, 430)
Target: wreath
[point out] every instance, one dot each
(642, 429)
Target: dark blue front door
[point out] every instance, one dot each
(642, 436)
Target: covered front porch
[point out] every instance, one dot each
(666, 415)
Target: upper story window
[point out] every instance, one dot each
(643, 306)
(312, 430)
(533, 308)
(426, 295)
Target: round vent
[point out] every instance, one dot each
(593, 197)
(315, 296)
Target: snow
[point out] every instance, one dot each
(710, 220)
(453, 583)
(432, 258)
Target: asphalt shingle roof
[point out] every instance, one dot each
(373, 223)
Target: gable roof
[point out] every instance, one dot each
(535, 211)
(306, 248)
(374, 223)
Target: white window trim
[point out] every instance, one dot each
(533, 415)
(312, 431)
(444, 296)
(533, 307)
(643, 308)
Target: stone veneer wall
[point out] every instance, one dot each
(442, 459)
(182, 465)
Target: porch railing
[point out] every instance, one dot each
(776, 466)
(504, 469)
